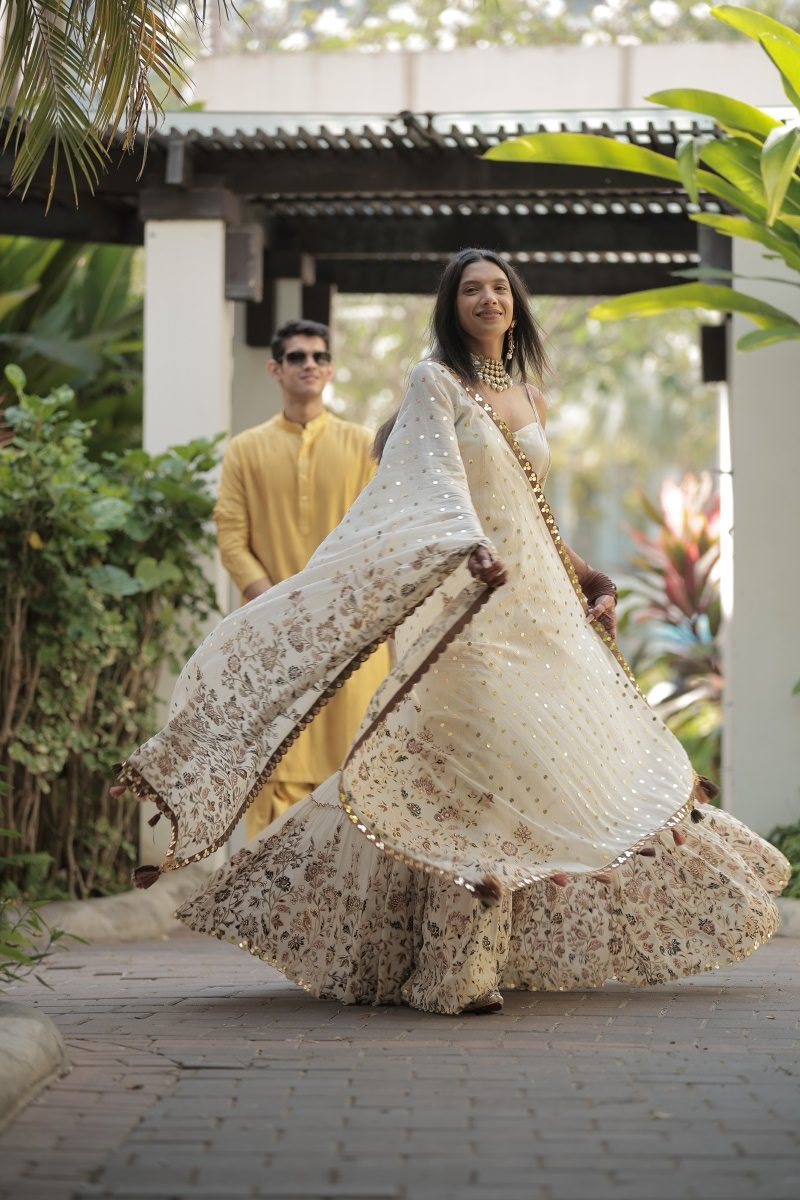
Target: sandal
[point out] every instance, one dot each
(489, 1002)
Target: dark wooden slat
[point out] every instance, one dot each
(542, 279)
(438, 234)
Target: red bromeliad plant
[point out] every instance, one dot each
(675, 593)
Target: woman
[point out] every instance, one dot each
(511, 814)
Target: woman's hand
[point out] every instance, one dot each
(486, 568)
(604, 610)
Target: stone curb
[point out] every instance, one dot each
(32, 1052)
(134, 916)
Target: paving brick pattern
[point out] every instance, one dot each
(200, 1072)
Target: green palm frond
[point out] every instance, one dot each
(76, 73)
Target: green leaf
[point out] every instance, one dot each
(715, 274)
(11, 300)
(757, 339)
(591, 150)
(730, 114)
(584, 149)
(152, 574)
(109, 512)
(754, 24)
(691, 295)
(796, 689)
(786, 57)
(687, 156)
(113, 581)
(751, 231)
(779, 160)
(738, 161)
(16, 377)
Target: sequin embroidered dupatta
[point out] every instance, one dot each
(266, 669)
(524, 747)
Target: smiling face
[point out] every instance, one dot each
(484, 307)
(300, 376)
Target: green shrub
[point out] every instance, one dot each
(101, 584)
(787, 839)
(25, 937)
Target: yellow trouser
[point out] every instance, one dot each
(273, 799)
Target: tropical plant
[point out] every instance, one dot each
(674, 595)
(749, 164)
(72, 314)
(102, 583)
(25, 937)
(74, 73)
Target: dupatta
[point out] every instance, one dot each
(268, 668)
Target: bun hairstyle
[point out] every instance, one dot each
(447, 337)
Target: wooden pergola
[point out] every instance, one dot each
(354, 205)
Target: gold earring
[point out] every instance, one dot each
(510, 351)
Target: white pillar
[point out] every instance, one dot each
(188, 331)
(762, 727)
(256, 396)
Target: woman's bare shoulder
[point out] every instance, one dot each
(540, 400)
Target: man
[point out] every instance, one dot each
(285, 485)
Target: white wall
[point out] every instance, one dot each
(490, 80)
(762, 726)
(188, 330)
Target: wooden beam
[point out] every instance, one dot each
(318, 302)
(399, 277)
(269, 174)
(93, 221)
(511, 232)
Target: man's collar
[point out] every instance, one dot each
(312, 426)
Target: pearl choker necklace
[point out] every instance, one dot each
(492, 372)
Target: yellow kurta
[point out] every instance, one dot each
(284, 487)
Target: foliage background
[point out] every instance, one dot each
(71, 314)
(414, 25)
(102, 584)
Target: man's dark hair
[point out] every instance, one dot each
(299, 328)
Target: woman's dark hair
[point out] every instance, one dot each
(447, 337)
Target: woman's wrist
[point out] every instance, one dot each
(595, 584)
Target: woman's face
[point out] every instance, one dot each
(484, 304)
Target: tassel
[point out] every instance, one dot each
(707, 787)
(697, 816)
(647, 852)
(117, 767)
(154, 820)
(145, 877)
(489, 891)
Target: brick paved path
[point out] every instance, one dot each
(199, 1072)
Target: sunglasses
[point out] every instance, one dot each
(296, 358)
